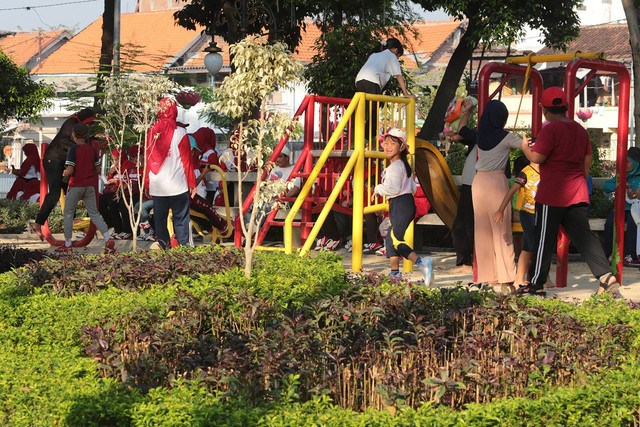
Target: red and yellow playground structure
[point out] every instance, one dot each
(341, 158)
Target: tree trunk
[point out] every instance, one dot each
(631, 12)
(434, 123)
(106, 51)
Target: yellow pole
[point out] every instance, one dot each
(358, 187)
(306, 188)
(411, 140)
(344, 176)
(554, 58)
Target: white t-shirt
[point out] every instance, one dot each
(379, 68)
(171, 179)
(283, 173)
(395, 181)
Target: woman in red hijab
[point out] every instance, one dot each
(170, 179)
(27, 182)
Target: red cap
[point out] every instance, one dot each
(554, 97)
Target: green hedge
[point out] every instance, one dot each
(47, 378)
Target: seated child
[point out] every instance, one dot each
(27, 183)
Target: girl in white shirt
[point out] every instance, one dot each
(398, 186)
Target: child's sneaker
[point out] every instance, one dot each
(320, 243)
(372, 248)
(110, 247)
(395, 275)
(631, 261)
(425, 265)
(64, 250)
(332, 245)
(349, 245)
(382, 251)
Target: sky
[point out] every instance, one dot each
(74, 14)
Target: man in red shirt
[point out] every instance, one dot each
(563, 151)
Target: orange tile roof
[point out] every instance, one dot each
(612, 39)
(430, 36)
(155, 35)
(21, 47)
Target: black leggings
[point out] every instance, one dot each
(574, 219)
(402, 210)
(53, 171)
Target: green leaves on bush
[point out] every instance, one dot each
(300, 343)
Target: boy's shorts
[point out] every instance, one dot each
(528, 221)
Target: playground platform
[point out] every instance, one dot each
(580, 283)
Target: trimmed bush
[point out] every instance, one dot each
(218, 349)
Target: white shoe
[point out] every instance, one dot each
(349, 245)
(425, 265)
(320, 243)
(80, 235)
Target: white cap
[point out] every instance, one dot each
(286, 151)
(396, 133)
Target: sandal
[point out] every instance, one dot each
(36, 228)
(531, 289)
(610, 284)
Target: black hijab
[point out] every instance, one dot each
(491, 125)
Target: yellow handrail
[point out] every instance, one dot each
(329, 204)
(306, 188)
(553, 58)
(356, 163)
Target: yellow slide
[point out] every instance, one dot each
(436, 181)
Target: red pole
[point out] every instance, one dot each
(483, 97)
(623, 135)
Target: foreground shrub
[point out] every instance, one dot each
(12, 256)
(131, 270)
(368, 348)
(14, 215)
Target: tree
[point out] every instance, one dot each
(106, 49)
(289, 16)
(632, 12)
(130, 107)
(259, 70)
(493, 21)
(20, 97)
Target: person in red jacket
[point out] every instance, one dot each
(27, 183)
(169, 178)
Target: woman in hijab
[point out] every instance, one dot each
(53, 164)
(493, 242)
(170, 179)
(27, 183)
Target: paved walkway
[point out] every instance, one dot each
(580, 283)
